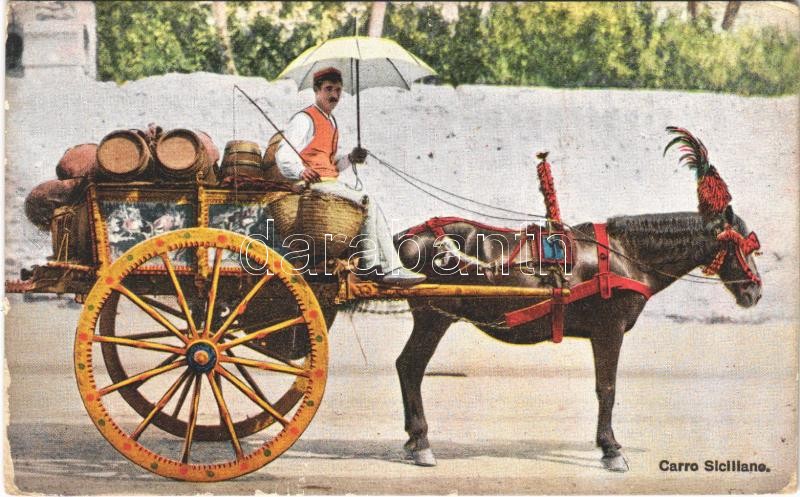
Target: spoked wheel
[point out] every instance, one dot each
(198, 374)
(117, 363)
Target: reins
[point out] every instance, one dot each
(405, 177)
(528, 217)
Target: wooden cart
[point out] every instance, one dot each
(195, 327)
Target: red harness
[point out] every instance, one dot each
(603, 283)
(744, 246)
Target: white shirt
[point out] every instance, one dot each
(299, 133)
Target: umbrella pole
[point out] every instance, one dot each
(358, 106)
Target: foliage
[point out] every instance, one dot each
(450, 48)
(267, 36)
(603, 44)
(137, 39)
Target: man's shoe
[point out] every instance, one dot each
(402, 277)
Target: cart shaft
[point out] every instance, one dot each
(353, 288)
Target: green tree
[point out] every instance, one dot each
(266, 37)
(137, 39)
(454, 49)
(560, 44)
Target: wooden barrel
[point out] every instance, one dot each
(78, 162)
(124, 154)
(48, 196)
(242, 158)
(183, 153)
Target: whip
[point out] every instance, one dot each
(280, 132)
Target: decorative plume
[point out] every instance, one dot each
(712, 192)
(547, 187)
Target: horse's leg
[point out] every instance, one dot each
(606, 346)
(429, 328)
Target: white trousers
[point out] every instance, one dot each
(380, 249)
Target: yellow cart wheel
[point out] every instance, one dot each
(111, 323)
(190, 370)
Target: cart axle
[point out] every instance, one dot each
(201, 357)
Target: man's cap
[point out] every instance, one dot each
(325, 72)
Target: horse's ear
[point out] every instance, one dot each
(729, 215)
(714, 225)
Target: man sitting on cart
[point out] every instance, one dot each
(313, 131)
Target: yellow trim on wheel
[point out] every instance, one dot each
(245, 460)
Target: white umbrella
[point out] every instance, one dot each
(365, 62)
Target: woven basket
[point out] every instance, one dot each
(320, 214)
(284, 211)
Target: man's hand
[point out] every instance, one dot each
(358, 155)
(310, 175)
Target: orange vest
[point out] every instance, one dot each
(320, 154)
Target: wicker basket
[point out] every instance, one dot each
(284, 211)
(321, 213)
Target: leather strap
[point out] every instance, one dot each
(603, 263)
(435, 227)
(603, 283)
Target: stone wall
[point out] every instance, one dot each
(477, 141)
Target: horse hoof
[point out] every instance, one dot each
(422, 457)
(618, 464)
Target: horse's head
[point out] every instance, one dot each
(735, 245)
(734, 261)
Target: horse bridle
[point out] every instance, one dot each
(744, 246)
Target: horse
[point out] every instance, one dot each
(652, 249)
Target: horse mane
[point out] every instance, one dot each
(662, 238)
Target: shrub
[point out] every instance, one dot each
(138, 39)
(566, 44)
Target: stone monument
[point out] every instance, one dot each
(57, 37)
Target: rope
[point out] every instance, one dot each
(280, 132)
(408, 178)
(233, 108)
(404, 175)
(359, 186)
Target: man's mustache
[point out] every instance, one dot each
(333, 100)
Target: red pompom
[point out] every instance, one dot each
(548, 189)
(712, 193)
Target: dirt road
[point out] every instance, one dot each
(503, 419)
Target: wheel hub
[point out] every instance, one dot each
(201, 357)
